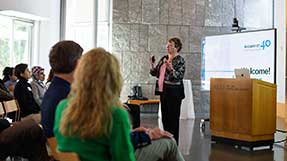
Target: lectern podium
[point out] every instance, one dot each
(242, 112)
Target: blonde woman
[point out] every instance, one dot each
(91, 121)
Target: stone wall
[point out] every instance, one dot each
(141, 28)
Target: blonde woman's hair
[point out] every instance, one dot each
(95, 90)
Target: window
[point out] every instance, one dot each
(79, 22)
(15, 41)
(104, 24)
(82, 24)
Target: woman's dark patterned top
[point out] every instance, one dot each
(176, 75)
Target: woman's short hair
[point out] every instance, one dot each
(95, 90)
(64, 55)
(19, 69)
(177, 43)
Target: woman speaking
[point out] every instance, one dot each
(170, 72)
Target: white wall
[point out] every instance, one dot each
(49, 29)
(280, 24)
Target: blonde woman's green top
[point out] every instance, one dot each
(116, 147)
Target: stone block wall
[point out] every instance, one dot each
(142, 27)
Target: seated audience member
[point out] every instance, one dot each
(92, 121)
(38, 87)
(23, 92)
(10, 80)
(63, 59)
(23, 139)
(5, 96)
(154, 144)
(2, 86)
(94, 102)
(160, 146)
(4, 93)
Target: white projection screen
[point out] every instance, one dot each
(254, 50)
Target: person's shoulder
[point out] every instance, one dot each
(64, 102)
(62, 105)
(179, 59)
(119, 113)
(6, 83)
(60, 87)
(34, 83)
(59, 83)
(19, 86)
(58, 90)
(52, 97)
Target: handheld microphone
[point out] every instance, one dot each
(153, 59)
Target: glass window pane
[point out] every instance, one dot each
(103, 10)
(79, 22)
(82, 33)
(22, 42)
(15, 41)
(5, 39)
(103, 35)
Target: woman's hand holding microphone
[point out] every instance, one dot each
(166, 61)
(152, 61)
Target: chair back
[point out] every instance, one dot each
(61, 156)
(68, 156)
(12, 106)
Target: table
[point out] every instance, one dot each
(142, 102)
(149, 105)
(137, 107)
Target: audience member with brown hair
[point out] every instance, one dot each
(23, 139)
(10, 80)
(63, 59)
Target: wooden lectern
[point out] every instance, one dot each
(242, 112)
